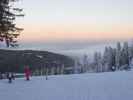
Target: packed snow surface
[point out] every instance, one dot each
(101, 86)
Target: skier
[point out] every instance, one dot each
(27, 73)
(9, 76)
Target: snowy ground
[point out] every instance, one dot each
(102, 86)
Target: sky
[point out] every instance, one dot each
(75, 20)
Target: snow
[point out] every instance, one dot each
(101, 86)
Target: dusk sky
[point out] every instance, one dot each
(62, 20)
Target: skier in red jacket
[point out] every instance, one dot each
(27, 73)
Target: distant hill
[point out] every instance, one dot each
(15, 60)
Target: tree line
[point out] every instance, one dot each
(112, 59)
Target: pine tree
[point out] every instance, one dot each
(125, 59)
(112, 53)
(108, 58)
(8, 30)
(118, 56)
(125, 54)
(85, 63)
(76, 66)
(131, 51)
(98, 62)
(100, 67)
(105, 59)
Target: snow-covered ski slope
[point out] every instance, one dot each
(102, 86)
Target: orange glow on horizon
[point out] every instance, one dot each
(76, 32)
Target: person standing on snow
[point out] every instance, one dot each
(27, 73)
(9, 76)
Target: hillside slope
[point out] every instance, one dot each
(17, 59)
(102, 86)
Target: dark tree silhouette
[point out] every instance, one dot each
(8, 30)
